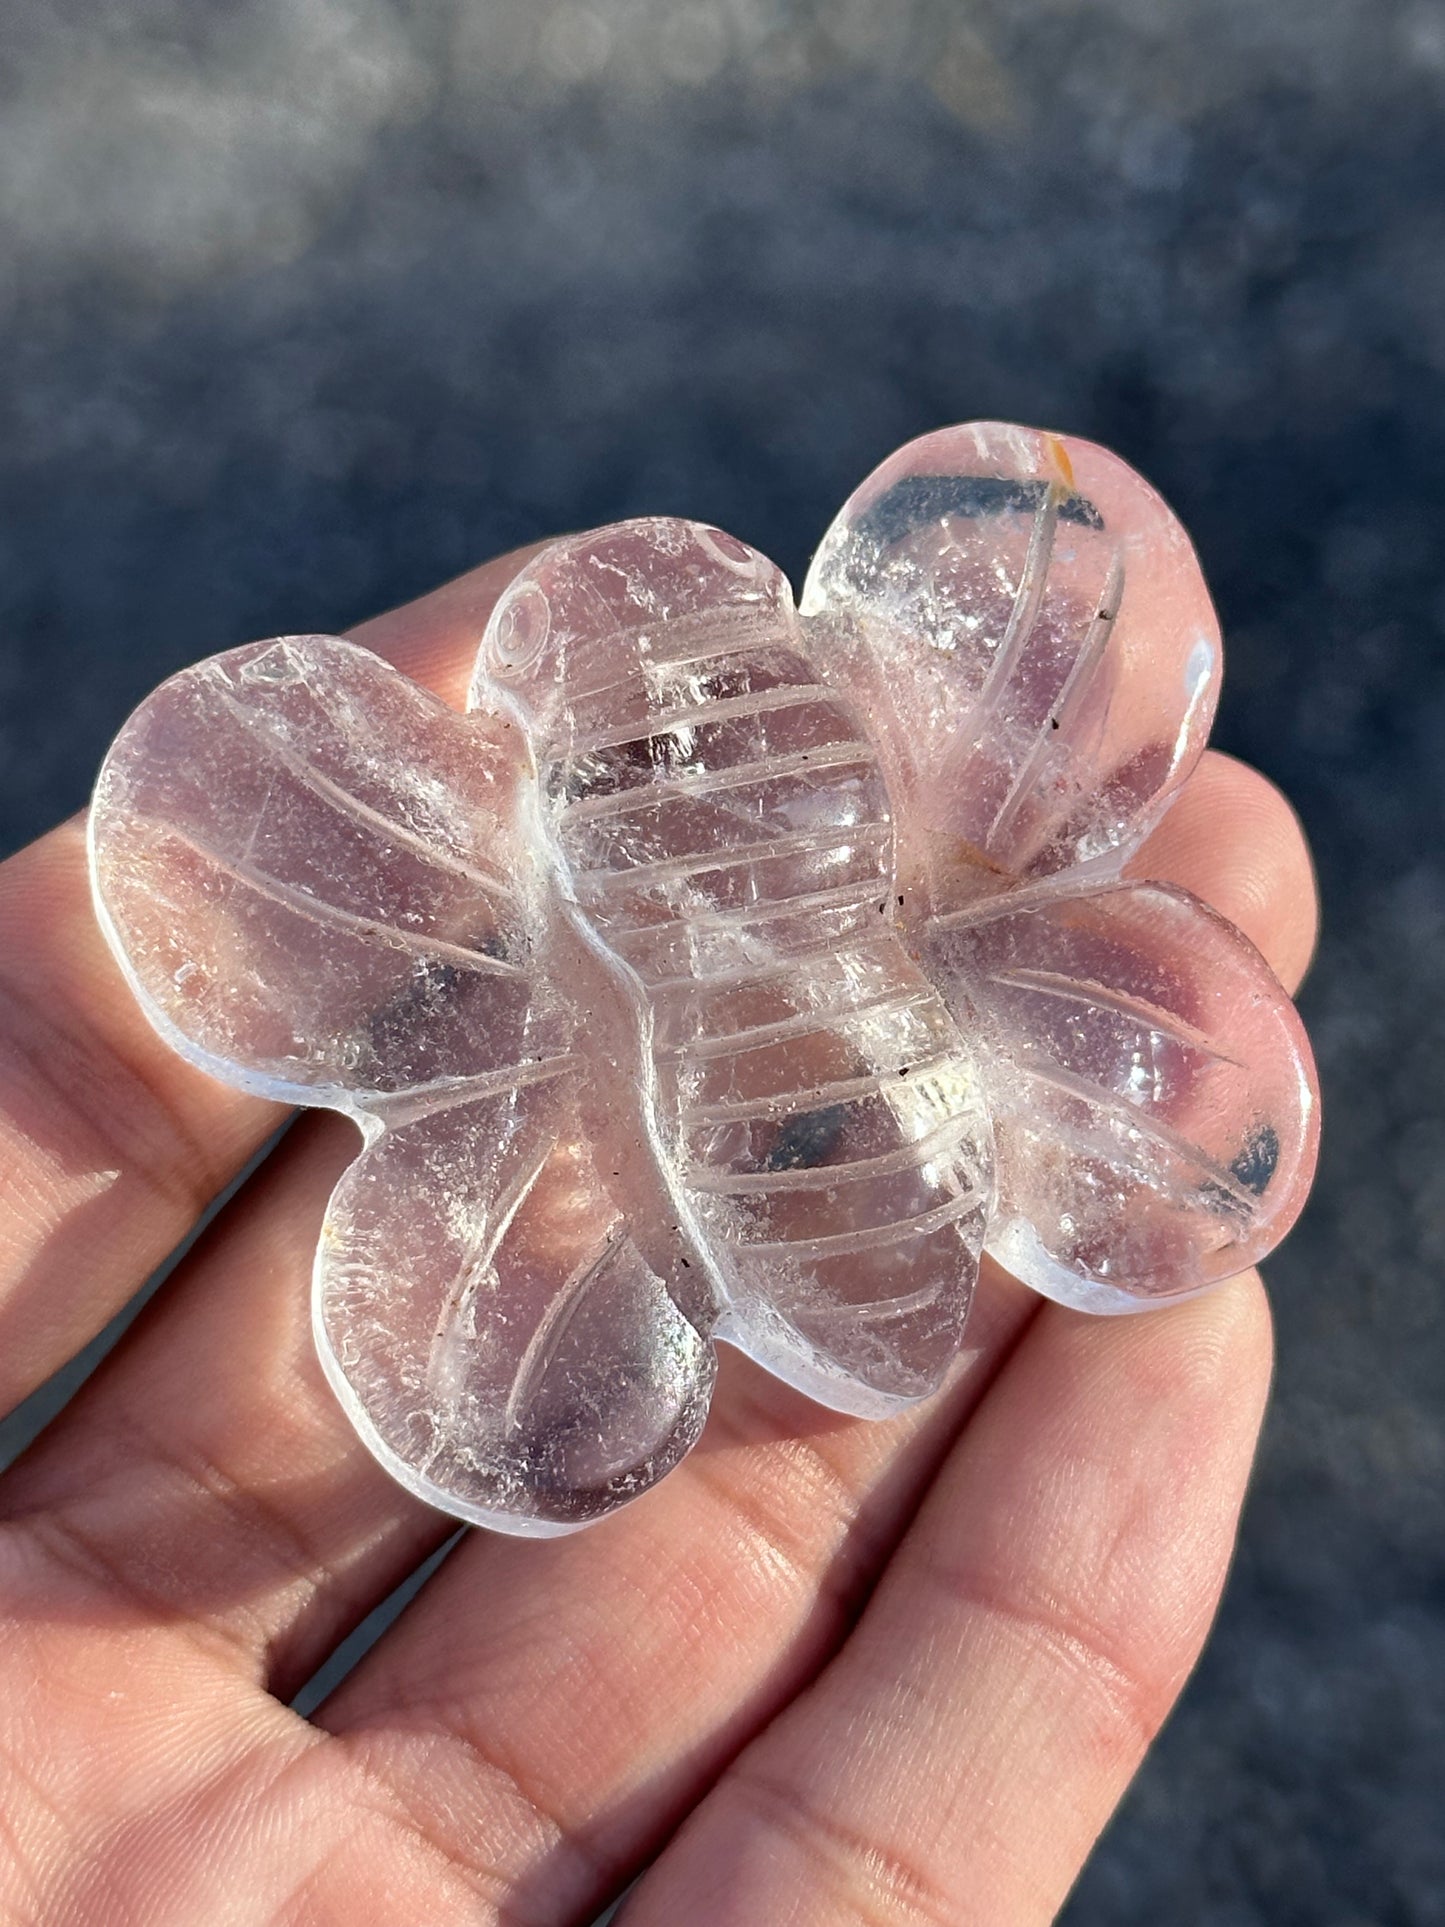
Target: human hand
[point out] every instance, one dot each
(831, 1671)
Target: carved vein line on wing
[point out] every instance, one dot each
(319, 910)
(328, 790)
(1095, 996)
(478, 1262)
(1028, 598)
(1054, 727)
(1138, 1121)
(551, 1329)
(444, 1094)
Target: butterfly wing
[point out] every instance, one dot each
(1041, 661)
(1030, 627)
(312, 874)
(486, 1317)
(1154, 1099)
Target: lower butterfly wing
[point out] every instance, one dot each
(498, 1338)
(1156, 1114)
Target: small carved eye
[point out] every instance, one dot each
(519, 634)
(736, 556)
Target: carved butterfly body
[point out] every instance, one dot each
(724, 830)
(726, 972)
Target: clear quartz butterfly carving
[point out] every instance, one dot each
(729, 971)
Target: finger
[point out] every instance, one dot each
(1232, 825)
(957, 1760)
(612, 1676)
(688, 1620)
(111, 1145)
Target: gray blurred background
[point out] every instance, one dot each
(308, 304)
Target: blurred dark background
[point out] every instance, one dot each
(308, 304)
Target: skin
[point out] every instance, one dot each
(829, 1672)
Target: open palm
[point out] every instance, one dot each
(830, 1672)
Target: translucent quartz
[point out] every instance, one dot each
(1150, 1089)
(718, 821)
(1027, 625)
(1027, 628)
(312, 873)
(726, 972)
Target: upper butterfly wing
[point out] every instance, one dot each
(296, 856)
(1029, 626)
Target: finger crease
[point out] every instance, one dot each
(285, 1553)
(881, 1884)
(20, 1863)
(405, 1783)
(1074, 1645)
(806, 1534)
